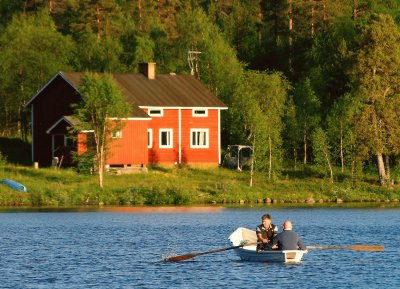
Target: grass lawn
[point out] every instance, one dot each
(65, 187)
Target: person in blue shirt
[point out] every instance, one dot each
(288, 239)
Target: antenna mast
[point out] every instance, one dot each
(193, 60)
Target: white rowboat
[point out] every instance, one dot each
(248, 253)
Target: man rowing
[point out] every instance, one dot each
(266, 232)
(288, 239)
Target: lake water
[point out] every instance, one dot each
(125, 249)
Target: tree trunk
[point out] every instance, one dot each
(290, 34)
(312, 19)
(354, 10)
(270, 157)
(341, 145)
(352, 173)
(330, 167)
(381, 168)
(98, 21)
(387, 167)
(101, 168)
(295, 158)
(305, 143)
(252, 161)
(140, 15)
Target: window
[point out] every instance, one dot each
(166, 138)
(199, 138)
(116, 134)
(156, 112)
(200, 112)
(149, 138)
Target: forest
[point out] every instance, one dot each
(307, 82)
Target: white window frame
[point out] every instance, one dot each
(171, 131)
(161, 114)
(150, 138)
(199, 115)
(207, 131)
(116, 134)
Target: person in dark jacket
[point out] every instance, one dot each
(288, 240)
(266, 232)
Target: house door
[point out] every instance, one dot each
(62, 147)
(58, 145)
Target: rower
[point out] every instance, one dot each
(266, 232)
(288, 239)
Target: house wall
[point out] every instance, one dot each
(131, 148)
(48, 107)
(200, 155)
(193, 156)
(81, 143)
(169, 121)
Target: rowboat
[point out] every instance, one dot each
(14, 185)
(248, 253)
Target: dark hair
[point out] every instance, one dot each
(266, 216)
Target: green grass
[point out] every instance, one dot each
(65, 187)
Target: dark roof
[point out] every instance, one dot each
(165, 90)
(69, 119)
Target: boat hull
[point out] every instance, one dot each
(249, 253)
(292, 256)
(14, 185)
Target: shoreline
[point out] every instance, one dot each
(210, 208)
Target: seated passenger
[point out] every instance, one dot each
(288, 240)
(266, 232)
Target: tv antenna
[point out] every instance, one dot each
(193, 60)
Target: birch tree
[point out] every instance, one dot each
(321, 151)
(102, 102)
(259, 109)
(339, 128)
(308, 107)
(376, 82)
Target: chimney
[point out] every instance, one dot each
(148, 70)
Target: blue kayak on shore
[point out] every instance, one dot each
(14, 185)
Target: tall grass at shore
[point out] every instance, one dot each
(65, 187)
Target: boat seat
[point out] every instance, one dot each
(291, 255)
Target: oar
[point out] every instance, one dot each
(353, 247)
(189, 256)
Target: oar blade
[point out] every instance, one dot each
(180, 258)
(353, 247)
(367, 248)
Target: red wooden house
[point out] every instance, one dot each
(175, 119)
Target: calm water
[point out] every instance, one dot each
(124, 250)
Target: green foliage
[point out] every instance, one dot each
(307, 112)
(144, 51)
(32, 50)
(100, 110)
(321, 150)
(221, 69)
(3, 159)
(260, 100)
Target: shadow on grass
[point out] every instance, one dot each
(16, 151)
